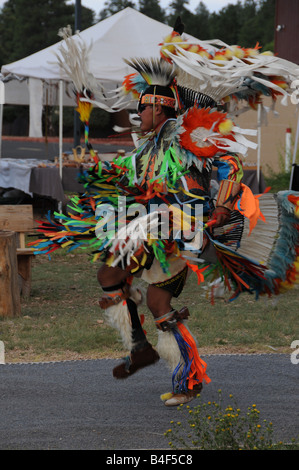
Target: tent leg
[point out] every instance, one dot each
(259, 139)
(60, 134)
(294, 155)
(1, 126)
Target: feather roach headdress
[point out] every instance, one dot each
(154, 71)
(228, 74)
(155, 81)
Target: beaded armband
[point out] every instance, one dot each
(228, 193)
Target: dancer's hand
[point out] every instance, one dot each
(220, 217)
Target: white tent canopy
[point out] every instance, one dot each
(18, 92)
(126, 34)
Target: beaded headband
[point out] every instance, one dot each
(158, 99)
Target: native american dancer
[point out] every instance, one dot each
(186, 102)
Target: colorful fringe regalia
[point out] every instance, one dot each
(265, 263)
(256, 251)
(179, 349)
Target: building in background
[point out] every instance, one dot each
(275, 135)
(287, 29)
(286, 46)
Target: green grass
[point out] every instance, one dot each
(62, 319)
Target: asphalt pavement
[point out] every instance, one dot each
(78, 405)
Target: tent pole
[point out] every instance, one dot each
(1, 126)
(60, 133)
(77, 124)
(2, 101)
(259, 139)
(294, 154)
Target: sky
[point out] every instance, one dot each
(212, 5)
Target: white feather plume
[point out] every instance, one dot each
(221, 78)
(130, 237)
(73, 59)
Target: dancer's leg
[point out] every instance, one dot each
(177, 347)
(120, 303)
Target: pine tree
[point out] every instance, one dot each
(226, 24)
(113, 6)
(27, 26)
(178, 8)
(7, 20)
(152, 9)
(201, 28)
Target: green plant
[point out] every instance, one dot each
(280, 180)
(218, 426)
(277, 181)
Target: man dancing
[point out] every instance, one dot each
(158, 111)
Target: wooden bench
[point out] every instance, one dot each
(19, 219)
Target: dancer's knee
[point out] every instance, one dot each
(109, 276)
(158, 301)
